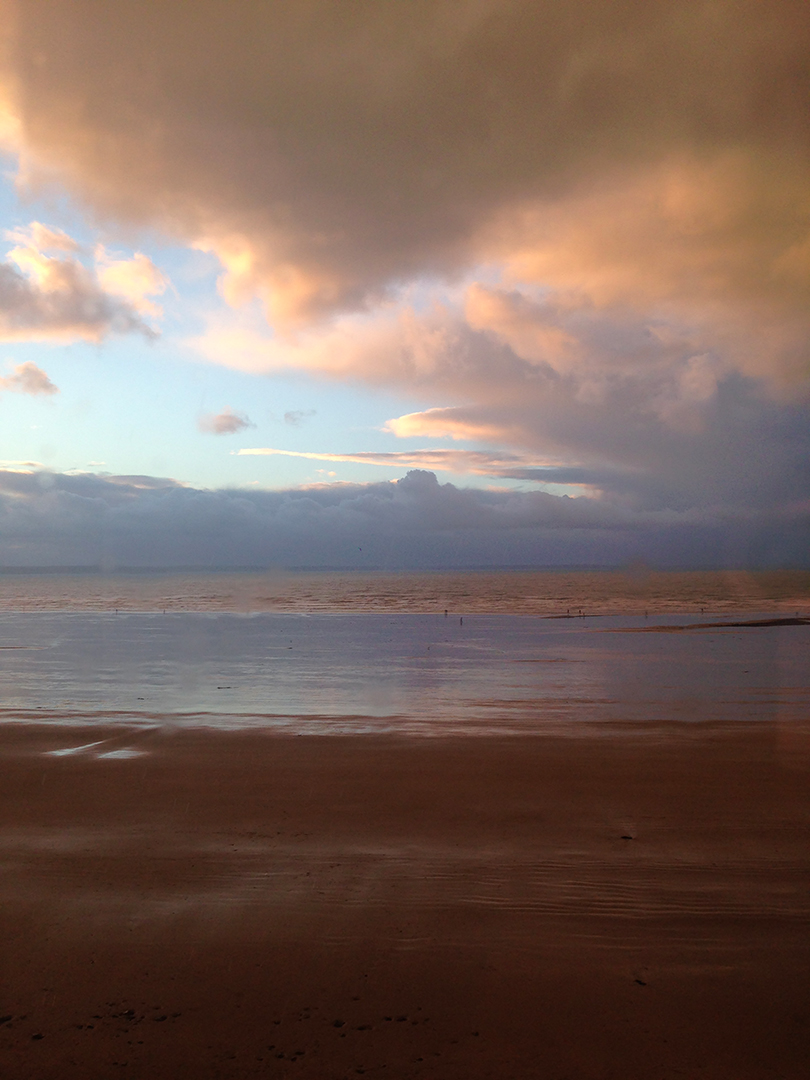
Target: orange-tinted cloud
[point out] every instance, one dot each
(580, 229)
(327, 152)
(48, 294)
(441, 424)
(481, 463)
(134, 280)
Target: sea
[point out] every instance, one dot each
(413, 654)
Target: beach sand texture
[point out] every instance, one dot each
(199, 895)
(242, 905)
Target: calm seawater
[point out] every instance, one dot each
(345, 653)
(464, 593)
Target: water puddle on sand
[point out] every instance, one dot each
(126, 752)
(65, 751)
(85, 750)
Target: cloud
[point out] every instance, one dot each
(55, 297)
(135, 280)
(481, 463)
(720, 245)
(27, 378)
(324, 158)
(86, 519)
(475, 462)
(41, 237)
(296, 417)
(580, 232)
(639, 401)
(441, 424)
(223, 423)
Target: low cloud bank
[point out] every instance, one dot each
(86, 520)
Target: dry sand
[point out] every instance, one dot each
(631, 904)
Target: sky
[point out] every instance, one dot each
(458, 283)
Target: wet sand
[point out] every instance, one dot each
(626, 902)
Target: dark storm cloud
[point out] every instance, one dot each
(329, 150)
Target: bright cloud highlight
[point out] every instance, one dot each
(48, 294)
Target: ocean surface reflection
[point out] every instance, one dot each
(408, 673)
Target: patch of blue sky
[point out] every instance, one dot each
(135, 406)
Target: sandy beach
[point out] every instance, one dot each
(629, 903)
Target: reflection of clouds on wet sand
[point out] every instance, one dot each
(123, 753)
(400, 673)
(460, 899)
(113, 748)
